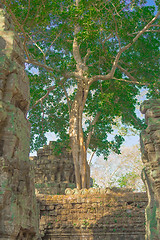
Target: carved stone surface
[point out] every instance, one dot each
(18, 208)
(93, 215)
(150, 148)
(53, 174)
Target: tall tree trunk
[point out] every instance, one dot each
(78, 147)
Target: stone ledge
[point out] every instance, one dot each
(90, 191)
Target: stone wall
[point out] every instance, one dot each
(150, 148)
(18, 208)
(93, 215)
(53, 174)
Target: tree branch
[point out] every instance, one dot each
(153, 30)
(116, 28)
(25, 47)
(155, 25)
(46, 95)
(68, 99)
(143, 30)
(133, 79)
(32, 61)
(76, 52)
(53, 42)
(91, 157)
(26, 35)
(115, 9)
(38, 47)
(126, 6)
(134, 82)
(86, 56)
(14, 17)
(105, 40)
(115, 63)
(128, 74)
(123, 161)
(29, 6)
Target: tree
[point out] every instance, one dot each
(91, 58)
(122, 170)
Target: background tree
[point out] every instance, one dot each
(91, 58)
(122, 170)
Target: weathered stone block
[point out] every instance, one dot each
(91, 217)
(55, 171)
(18, 207)
(150, 147)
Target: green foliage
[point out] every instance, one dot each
(128, 179)
(95, 185)
(85, 223)
(47, 28)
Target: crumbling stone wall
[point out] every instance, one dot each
(150, 148)
(18, 209)
(53, 174)
(93, 214)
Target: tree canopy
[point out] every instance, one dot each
(87, 61)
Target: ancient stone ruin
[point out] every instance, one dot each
(53, 173)
(89, 214)
(150, 148)
(18, 208)
(93, 214)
